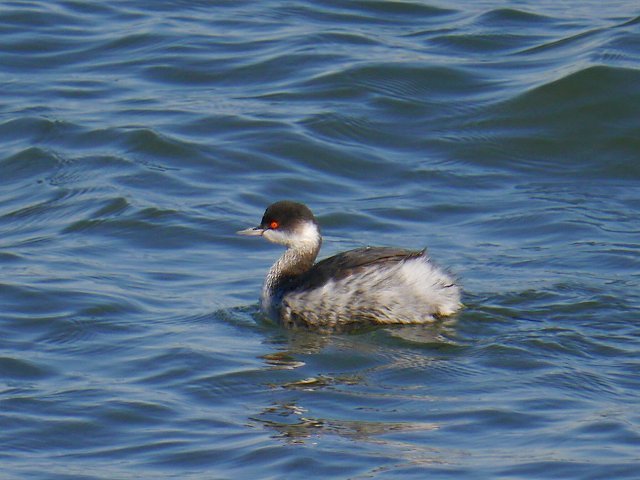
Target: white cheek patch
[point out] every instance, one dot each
(307, 235)
(276, 236)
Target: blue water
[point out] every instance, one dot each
(137, 137)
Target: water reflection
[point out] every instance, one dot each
(359, 377)
(294, 425)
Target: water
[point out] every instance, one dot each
(135, 142)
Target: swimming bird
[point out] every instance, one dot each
(370, 285)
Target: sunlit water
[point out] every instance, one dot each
(137, 137)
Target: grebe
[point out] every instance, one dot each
(371, 285)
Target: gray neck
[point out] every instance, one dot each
(295, 261)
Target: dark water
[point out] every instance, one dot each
(137, 137)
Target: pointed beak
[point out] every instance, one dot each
(251, 232)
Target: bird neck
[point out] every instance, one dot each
(296, 260)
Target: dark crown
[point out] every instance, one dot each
(287, 214)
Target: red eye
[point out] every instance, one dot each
(273, 225)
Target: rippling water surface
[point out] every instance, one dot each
(136, 138)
